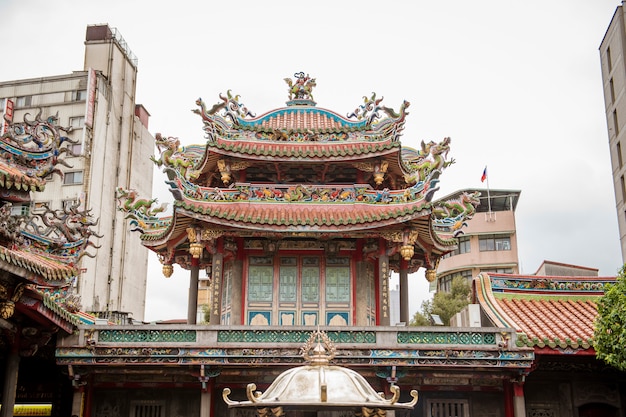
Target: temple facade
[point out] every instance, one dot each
(298, 216)
(39, 254)
(110, 147)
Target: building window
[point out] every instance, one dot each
(623, 183)
(498, 270)
(447, 408)
(20, 210)
(69, 203)
(494, 243)
(76, 149)
(463, 247)
(288, 280)
(71, 178)
(260, 279)
(147, 408)
(80, 95)
(23, 101)
(445, 282)
(310, 280)
(609, 61)
(337, 280)
(615, 122)
(2, 104)
(612, 90)
(619, 154)
(40, 205)
(77, 122)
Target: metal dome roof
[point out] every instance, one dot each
(321, 386)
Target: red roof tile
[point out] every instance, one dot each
(347, 216)
(37, 264)
(12, 177)
(547, 312)
(304, 149)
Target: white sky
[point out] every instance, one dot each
(516, 85)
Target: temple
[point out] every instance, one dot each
(38, 257)
(300, 214)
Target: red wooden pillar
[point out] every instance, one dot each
(508, 399)
(514, 401)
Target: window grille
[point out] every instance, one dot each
(447, 408)
(147, 409)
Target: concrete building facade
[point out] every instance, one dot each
(488, 243)
(112, 149)
(614, 84)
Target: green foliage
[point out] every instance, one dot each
(444, 304)
(206, 314)
(610, 324)
(422, 318)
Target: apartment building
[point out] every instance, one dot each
(488, 242)
(112, 149)
(614, 84)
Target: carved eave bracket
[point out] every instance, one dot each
(378, 169)
(227, 167)
(402, 241)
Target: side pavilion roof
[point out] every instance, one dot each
(552, 314)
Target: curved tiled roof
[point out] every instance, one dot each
(552, 323)
(315, 217)
(300, 118)
(547, 312)
(303, 149)
(37, 264)
(12, 177)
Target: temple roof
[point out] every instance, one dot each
(36, 264)
(12, 177)
(302, 118)
(38, 251)
(550, 313)
(302, 169)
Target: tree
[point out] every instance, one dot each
(206, 314)
(422, 318)
(610, 324)
(444, 304)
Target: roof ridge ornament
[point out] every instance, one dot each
(301, 90)
(319, 349)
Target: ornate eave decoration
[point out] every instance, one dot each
(30, 152)
(320, 386)
(399, 188)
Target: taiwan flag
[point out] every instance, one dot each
(484, 176)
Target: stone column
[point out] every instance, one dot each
(78, 401)
(236, 292)
(383, 289)
(519, 404)
(216, 289)
(192, 307)
(10, 381)
(404, 293)
(362, 283)
(205, 402)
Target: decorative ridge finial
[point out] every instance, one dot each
(319, 349)
(301, 91)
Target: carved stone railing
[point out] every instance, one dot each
(243, 345)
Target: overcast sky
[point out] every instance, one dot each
(516, 85)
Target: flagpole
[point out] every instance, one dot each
(488, 195)
(485, 177)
